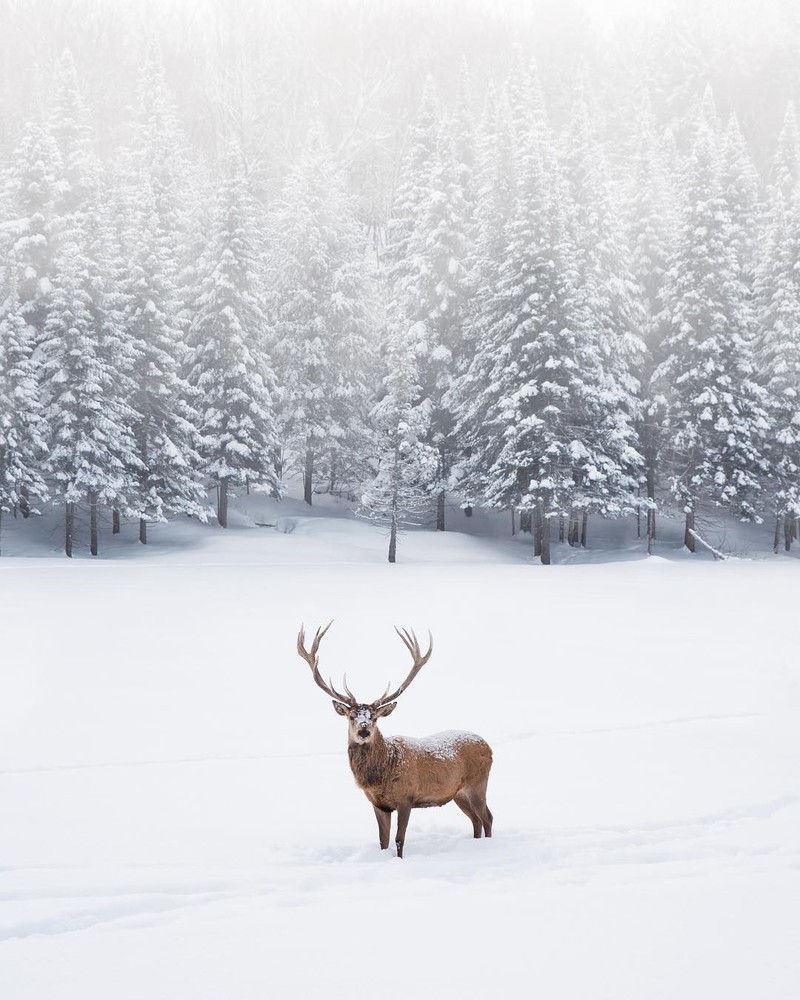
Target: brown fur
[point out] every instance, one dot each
(400, 775)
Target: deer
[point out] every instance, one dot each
(397, 773)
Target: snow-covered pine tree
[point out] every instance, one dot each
(28, 239)
(323, 311)
(429, 281)
(464, 145)
(528, 399)
(777, 350)
(230, 365)
(521, 96)
(609, 473)
(160, 154)
(30, 200)
(495, 185)
(651, 218)
(785, 167)
(71, 127)
(91, 447)
(167, 478)
(740, 189)
(713, 409)
(398, 494)
(412, 187)
(777, 339)
(22, 430)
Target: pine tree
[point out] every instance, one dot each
(714, 414)
(428, 277)
(651, 213)
(495, 184)
(529, 414)
(785, 168)
(740, 190)
(22, 430)
(612, 320)
(517, 399)
(464, 144)
(91, 444)
(322, 306)
(230, 366)
(418, 161)
(778, 357)
(71, 127)
(164, 425)
(397, 496)
(31, 196)
(160, 154)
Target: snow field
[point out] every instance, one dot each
(179, 819)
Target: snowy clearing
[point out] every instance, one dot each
(180, 820)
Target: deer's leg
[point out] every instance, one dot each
(384, 818)
(488, 819)
(477, 798)
(403, 814)
(463, 803)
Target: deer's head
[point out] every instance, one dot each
(362, 717)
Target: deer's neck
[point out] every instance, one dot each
(370, 763)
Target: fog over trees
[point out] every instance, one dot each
(540, 257)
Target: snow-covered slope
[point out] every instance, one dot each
(179, 820)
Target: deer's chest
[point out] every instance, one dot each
(375, 773)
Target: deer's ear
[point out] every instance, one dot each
(340, 708)
(386, 709)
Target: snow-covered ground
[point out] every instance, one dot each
(179, 821)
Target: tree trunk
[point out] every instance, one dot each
(334, 473)
(787, 533)
(69, 525)
(777, 537)
(222, 509)
(93, 523)
(572, 531)
(24, 502)
(688, 537)
(143, 530)
(525, 521)
(115, 522)
(440, 511)
(536, 528)
(561, 528)
(513, 523)
(638, 512)
(308, 477)
(440, 499)
(393, 539)
(1, 526)
(584, 528)
(545, 536)
(651, 496)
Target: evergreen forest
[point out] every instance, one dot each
(425, 257)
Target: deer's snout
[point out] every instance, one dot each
(363, 733)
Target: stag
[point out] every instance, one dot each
(398, 774)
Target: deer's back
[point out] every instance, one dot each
(442, 765)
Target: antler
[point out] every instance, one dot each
(412, 645)
(310, 656)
